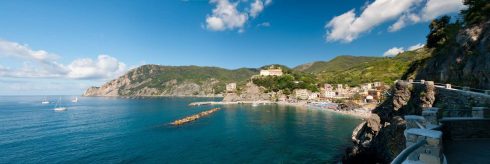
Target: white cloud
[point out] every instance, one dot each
(431, 10)
(394, 51)
(258, 6)
(397, 50)
(417, 46)
(104, 67)
(264, 24)
(226, 16)
(348, 27)
(42, 64)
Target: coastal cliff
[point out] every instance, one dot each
(155, 80)
(459, 54)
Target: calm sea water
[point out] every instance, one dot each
(117, 130)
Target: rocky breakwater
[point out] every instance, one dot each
(194, 117)
(380, 138)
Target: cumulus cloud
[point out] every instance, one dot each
(258, 6)
(226, 16)
(417, 46)
(397, 50)
(431, 10)
(348, 26)
(264, 24)
(104, 67)
(42, 64)
(393, 51)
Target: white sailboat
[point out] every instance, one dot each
(58, 106)
(45, 101)
(75, 99)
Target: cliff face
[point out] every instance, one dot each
(154, 80)
(464, 61)
(380, 138)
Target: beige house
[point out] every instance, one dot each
(231, 87)
(302, 94)
(271, 72)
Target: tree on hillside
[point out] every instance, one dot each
(477, 11)
(438, 35)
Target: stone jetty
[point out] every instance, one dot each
(194, 117)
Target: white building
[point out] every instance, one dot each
(231, 87)
(313, 96)
(328, 87)
(271, 72)
(302, 94)
(329, 94)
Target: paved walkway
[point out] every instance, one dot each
(467, 151)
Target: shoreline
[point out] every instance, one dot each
(354, 113)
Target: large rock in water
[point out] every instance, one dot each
(380, 138)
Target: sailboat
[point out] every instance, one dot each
(58, 106)
(45, 101)
(75, 99)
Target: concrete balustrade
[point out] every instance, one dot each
(431, 152)
(414, 121)
(429, 83)
(430, 114)
(480, 112)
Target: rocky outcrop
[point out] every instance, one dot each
(154, 80)
(380, 138)
(250, 92)
(464, 61)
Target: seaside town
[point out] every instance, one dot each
(353, 100)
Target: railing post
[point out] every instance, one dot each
(448, 86)
(428, 153)
(430, 114)
(480, 112)
(410, 80)
(414, 121)
(422, 81)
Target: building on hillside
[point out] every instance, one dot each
(272, 71)
(328, 87)
(340, 87)
(329, 94)
(375, 94)
(230, 87)
(314, 96)
(302, 94)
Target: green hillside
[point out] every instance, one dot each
(354, 70)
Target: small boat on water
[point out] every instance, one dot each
(45, 101)
(255, 104)
(75, 100)
(58, 106)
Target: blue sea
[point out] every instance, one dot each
(119, 130)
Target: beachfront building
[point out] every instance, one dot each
(328, 87)
(329, 94)
(272, 71)
(230, 87)
(314, 96)
(377, 84)
(301, 94)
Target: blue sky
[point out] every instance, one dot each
(77, 37)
